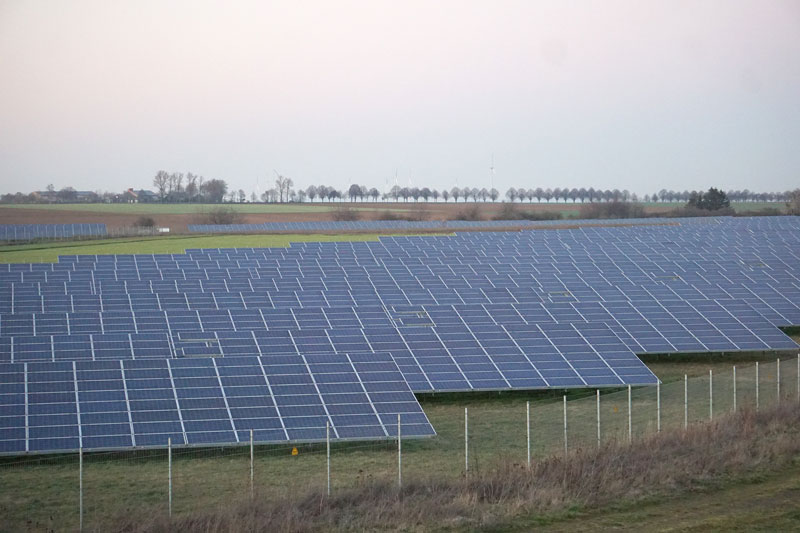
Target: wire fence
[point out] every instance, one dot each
(89, 490)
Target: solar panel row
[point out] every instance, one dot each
(115, 404)
(18, 232)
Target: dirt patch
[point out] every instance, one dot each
(373, 210)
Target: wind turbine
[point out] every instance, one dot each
(491, 174)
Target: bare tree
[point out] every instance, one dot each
(511, 194)
(283, 185)
(160, 182)
(445, 195)
(455, 192)
(494, 194)
(374, 194)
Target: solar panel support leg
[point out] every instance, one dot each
(630, 416)
(778, 380)
(565, 425)
(734, 388)
(80, 489)
(757, 399)
(710, 394)
(169, 474)
(685, 401)
(528, 429)
(399, 454)
(598, 419)
(466, 441)
(798, 378)
(328, 453)
(252, 469)
(658, 407)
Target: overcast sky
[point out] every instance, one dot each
(638, 95)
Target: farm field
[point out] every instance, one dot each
(178, 216)
(48, 252)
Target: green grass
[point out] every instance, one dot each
(49, 251)
(119, 483)
(177, 209)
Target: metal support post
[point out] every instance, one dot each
(630, 416)
(466, 441)
(328, 454)
(734, 388)
(598, 419)
(658, 407)
(528, 429)
(710, 394)
(252, 470)
(399, 454)
(757, 380)
(565, 424)
(80, 488)
(685, 401)
(169, 473)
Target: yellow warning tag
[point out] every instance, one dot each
(615, 409)
(294, 451)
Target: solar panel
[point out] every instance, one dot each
(62, 406)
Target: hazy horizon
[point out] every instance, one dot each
(614, 95)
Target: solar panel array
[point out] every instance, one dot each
(474, 311)
(26, 232)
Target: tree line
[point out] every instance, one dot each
(177, 187)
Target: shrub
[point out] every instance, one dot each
(512, 212)
(145, 222)
(345, 213)
(612, 210)
(221, 215)
(470, 213)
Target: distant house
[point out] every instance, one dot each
(45, 196)
(141, 196)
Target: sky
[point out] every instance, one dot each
(638, 95)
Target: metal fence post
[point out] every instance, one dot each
(630, 416)
(466, 441)
(328, 455)
(658, 407)
(169, 473)
(528, 429)
(778, 380)
(565, 424)
(734, 388)
(685, 401)
(252, 471)
(798, 378)
(80, 488)
(710, 394)
(399, 454)
(598, 418)
(757, 402)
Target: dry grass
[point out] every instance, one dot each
(668, 463)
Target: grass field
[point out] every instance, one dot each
(49, 251)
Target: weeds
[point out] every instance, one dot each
(705, 454)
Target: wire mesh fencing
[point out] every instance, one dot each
(92, 490)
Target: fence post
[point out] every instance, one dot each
(328, 455)
(798, 377)
(80, 488)
(528, 429)
(169, 473)
(685, 401)
(252, 471)
(658, 407)
(778, 380)
(466, 441)
(734, 388)
(630, 417)
(399, 454)
(565, 424)
(598, 418)
(710, 394)
(757, 402)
